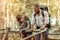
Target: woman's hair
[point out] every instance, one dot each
(18, 17)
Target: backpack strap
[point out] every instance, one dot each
(35, 16)
(48, 25)
(42, 15)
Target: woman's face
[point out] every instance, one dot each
(22, 18)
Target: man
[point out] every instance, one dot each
(39, 20)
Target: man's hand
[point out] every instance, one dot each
(20, 31)
(43, 27)
(31, 30)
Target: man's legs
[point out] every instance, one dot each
(38, 37)
(46, 34)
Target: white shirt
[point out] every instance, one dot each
(46, 17)
(39, 19)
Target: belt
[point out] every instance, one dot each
(38, 27)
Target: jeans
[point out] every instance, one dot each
(38, 37)
(46, 34)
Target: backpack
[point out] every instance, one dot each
(44, 8)
(27, 19)
(24, 31)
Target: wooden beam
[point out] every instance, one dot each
(41, 31)
(6, 34)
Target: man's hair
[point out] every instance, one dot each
(36, 5)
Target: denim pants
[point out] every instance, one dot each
(46, 34)
(38, 37)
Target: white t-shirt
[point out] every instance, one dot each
(39, 19)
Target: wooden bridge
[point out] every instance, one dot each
(4, 35)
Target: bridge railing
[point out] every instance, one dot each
(40, 32)
(7, 30)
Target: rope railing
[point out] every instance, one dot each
(40, 31)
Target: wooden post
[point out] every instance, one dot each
(41, 31)
(6, 34)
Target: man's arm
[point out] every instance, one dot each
(32, 22)
(46, 19)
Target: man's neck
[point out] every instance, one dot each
(38, 13)
(21, 22)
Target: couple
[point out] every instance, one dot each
(40, 18)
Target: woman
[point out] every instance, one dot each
(24, 25)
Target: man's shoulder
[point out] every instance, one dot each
(45, 12)
(33, 14)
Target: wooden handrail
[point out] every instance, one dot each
(8, 30)
(14, 31)
(2, 28)
(41, 31)
(6, 34)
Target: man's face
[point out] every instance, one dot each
(36, 9)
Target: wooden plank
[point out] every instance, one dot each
(6, 34)
(41, 31)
